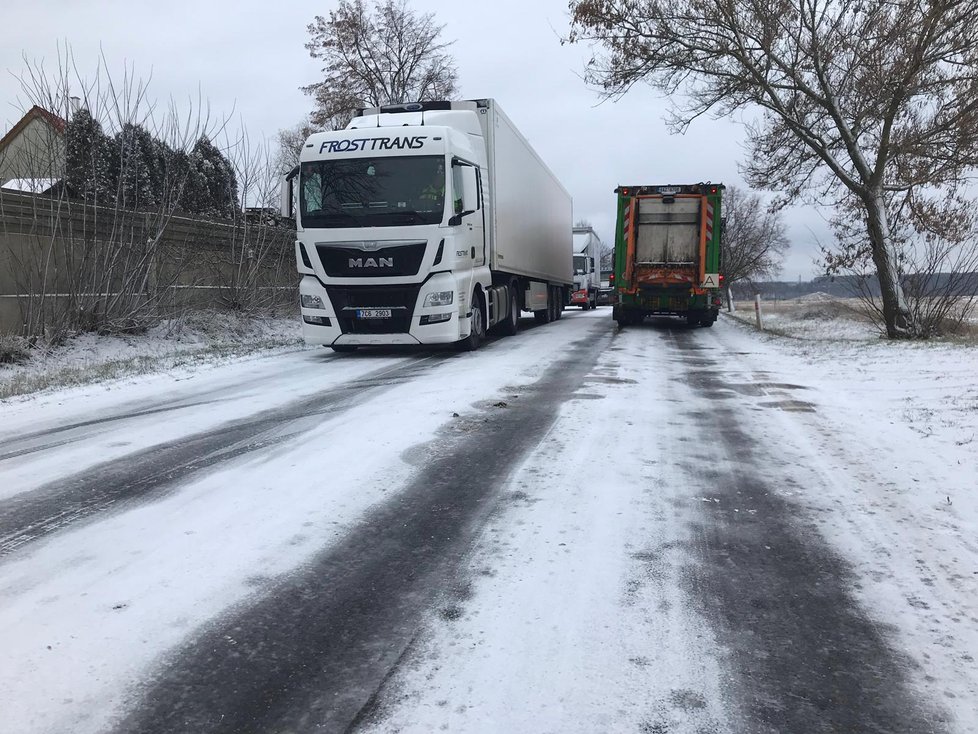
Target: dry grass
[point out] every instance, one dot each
(14, 349)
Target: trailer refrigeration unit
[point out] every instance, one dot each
(426, 223)
(667, 253)
(587, 273)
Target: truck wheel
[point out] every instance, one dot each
(558, 303)
(511, 325)
(477, 327)
(542, 317)
(585, 306)
(343, 348)
(708, 323)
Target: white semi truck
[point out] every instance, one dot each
(587, 268)
(426, 223)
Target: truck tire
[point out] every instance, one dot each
(477, 327)
(627, 318)
(344, 348)
(542, 317)
(511, 325)
(585, 306)
(707, 323)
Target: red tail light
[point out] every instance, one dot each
(611, 279)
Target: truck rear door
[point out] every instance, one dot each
(668, 231)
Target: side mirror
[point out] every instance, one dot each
(286, 193)
(470, 190)
(285, 197)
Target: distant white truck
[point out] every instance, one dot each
(426, 223)
(587, 264)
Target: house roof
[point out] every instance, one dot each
(31, 185)
(34, 113)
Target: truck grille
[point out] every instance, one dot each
(400, 299)
(352, 262)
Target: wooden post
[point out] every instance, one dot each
(757, 311)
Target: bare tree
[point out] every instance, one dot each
(753, 241)
(288, 145)
(387, 55)
(857, 99)
(937, 241)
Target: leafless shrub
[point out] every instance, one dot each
(98, 239)
(256, 269)
(153, 218)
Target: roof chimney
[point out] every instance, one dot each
(74, 104)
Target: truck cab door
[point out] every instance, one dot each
(468, 208)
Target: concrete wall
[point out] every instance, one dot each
(57, 247)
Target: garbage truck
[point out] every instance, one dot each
(426, 223)
(587, 268)
(667, 253)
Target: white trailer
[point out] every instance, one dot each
(426, 223)
(587, 268)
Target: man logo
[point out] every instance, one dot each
(380, 262)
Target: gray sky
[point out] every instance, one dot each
(248, 57)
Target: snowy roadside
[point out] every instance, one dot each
(888, 431)
(200, 339)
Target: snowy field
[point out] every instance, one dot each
(578, 529)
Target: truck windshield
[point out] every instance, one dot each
(372, 192)
(580, 264)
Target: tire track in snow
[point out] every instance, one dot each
(34, 441)
(806, 657)
(313, 652)
(144, 475)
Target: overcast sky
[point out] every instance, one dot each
(249, 58)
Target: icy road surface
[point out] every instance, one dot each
(656, 530)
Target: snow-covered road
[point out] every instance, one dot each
(579, 529)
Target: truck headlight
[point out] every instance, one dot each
(439, 298)
(309, 301)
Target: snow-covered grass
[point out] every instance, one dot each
(817, 316)
(821, 317)
(198, 338)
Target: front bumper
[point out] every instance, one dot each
(404, 326)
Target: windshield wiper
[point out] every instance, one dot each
(342, 216)
(408, 213)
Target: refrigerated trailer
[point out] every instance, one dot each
(426, 223)
(667, 253)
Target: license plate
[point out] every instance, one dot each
(373, 313)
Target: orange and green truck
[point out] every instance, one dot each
(667, 253)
